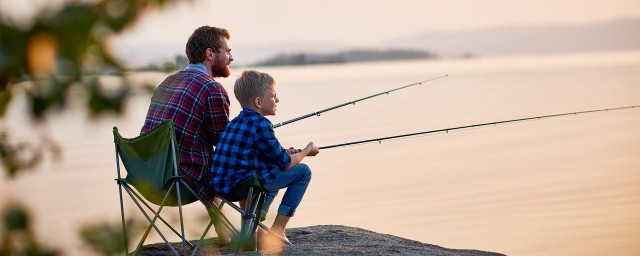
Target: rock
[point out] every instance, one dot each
(332, 240)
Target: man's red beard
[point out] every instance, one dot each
(221, 70)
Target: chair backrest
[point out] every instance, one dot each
(149, 160)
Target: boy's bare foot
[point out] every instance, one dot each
(269, 242)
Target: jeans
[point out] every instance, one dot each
(296, 181)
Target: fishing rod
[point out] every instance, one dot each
(317, 113)
(447, 130)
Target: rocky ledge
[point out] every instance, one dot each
(333, 240)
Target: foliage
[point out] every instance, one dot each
(108, 238)
(58, 51)
(17, 237)
(54, 53)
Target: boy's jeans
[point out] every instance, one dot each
(296, 181)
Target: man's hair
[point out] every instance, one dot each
(251, 84)
(202, 38)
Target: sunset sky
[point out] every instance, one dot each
(341, 21)
(260, 23)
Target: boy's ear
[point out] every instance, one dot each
(257, 102)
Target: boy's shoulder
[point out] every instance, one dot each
(252, 119)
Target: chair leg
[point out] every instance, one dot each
(124, 225)
(214, 212)
(184, 238)
(195, 249)
(246, 242)
(152, 222)
(217, 210)
(254, 209)
(229, 225)
(159, 217)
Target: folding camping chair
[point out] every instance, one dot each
(152, 169)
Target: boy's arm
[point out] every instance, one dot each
(293, 150)
(309, 150)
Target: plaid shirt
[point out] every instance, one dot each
(247, 145)
(199, 108)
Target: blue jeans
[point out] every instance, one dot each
(296, 181)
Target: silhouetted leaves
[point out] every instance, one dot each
(16, 235)
(43, 61)
(62, 50)
(108, 238)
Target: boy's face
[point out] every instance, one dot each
(269, 102)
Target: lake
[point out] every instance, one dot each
(559, 186)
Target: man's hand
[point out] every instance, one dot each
(311, 149)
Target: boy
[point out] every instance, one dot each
(248, 145)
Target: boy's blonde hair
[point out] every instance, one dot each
(251, 84)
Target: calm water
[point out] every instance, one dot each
(565, 186)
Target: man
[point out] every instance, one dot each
(198, 106)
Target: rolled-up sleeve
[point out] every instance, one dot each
(270, 148)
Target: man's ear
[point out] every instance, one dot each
(209, 54)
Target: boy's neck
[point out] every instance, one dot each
(257, 110)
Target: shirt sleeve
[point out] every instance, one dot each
(270, 148)
(216, 113)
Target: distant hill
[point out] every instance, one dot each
(603, 36)
(613, 35)
(343, 57)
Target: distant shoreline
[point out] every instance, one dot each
(306, 58)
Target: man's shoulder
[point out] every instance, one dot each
(195, 80)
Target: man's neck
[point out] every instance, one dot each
(202, 66)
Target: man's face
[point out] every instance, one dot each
(222, 60)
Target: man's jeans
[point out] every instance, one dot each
(296, 181)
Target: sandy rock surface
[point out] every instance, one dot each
(332, 240)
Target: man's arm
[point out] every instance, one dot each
(217, 113)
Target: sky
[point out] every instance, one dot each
(260, 23)
(339, 21)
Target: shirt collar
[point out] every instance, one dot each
(199, 67)
(250, 112)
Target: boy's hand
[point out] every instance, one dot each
(311, 149)
(293, 150)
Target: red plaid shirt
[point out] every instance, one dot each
(199, 108)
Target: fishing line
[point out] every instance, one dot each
(447, 130)
(317, 113)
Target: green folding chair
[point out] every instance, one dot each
(152, 169)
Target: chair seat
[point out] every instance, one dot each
(240, 190)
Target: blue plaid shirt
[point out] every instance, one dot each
(247, 145)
